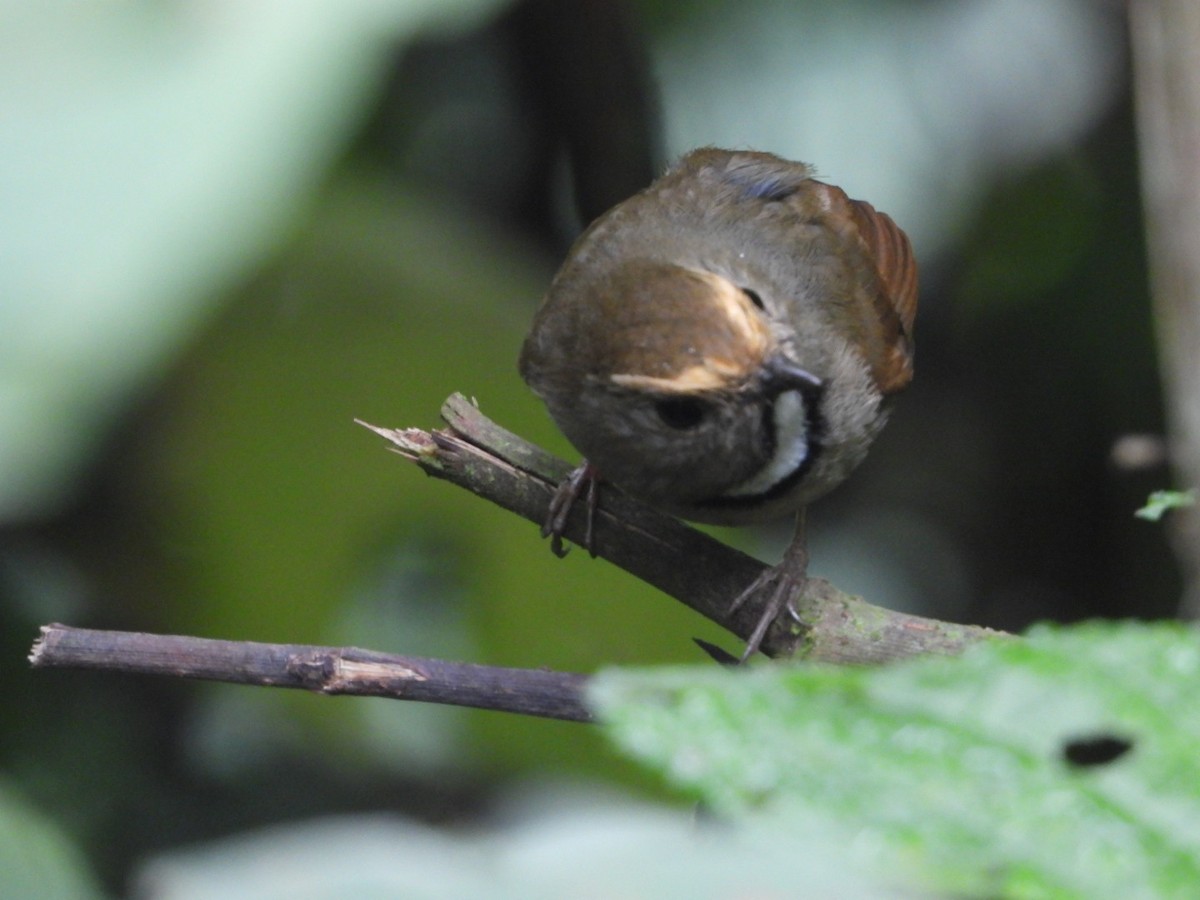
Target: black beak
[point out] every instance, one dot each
(782, 374)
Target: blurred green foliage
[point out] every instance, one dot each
(36, 858)
(1160, 503)
(1062, 764)
(231, 230)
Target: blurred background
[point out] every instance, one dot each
(228, 229)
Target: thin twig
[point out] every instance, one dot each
(324, 670)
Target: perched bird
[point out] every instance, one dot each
(721, 346)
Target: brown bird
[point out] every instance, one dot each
(721, 345)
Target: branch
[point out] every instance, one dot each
(479, 455)
(324, 670)
(697, 570)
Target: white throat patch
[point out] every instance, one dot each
(791, 447)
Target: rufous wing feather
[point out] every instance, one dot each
(896, 300)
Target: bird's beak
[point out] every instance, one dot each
(782, 374)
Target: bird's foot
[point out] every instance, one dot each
(583, 477)
(781, 586)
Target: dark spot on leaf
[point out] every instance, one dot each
(1095, 749)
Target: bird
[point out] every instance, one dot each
(724, 346)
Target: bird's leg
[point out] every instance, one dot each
(560, 507)
(785, 582)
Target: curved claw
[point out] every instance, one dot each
(785, 586)
(786, 582)
(562, 503)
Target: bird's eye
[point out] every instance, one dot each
(754, 297)
(681, 413)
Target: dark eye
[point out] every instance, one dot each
(754, 297)
(682, 413)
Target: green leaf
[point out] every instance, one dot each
(149, 163)
(972, 774)
(550, 844)
(36, 858)
(1159, 502)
